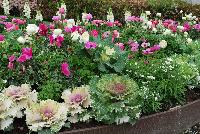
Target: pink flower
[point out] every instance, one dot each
(90, 45)
(65, 69)
(97, 22)
(61, 10)
(56, 18)
(94, 33)
(10, 65)
(68, 30)
(2, 37)
(59, 41)
(147, 52)
(11, 58)
(43, 29)
(27, 52)
(22, 58)
(3, 17)
(105, 35)
(115, 35)
(121, 45)
(134, 47)
(186, 26)
(144, 45)
(134, 19)
(18, 21)
(51, 27)
(197, 27)
(51, 39)
(10, 26)
(110, 24)
(89, 16)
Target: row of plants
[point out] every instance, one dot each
(65, 72)
(169, 8)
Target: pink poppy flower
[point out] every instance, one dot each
(65, 69)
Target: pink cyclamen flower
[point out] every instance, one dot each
(56, 18)
(197, 27)
(110, 24)
(68, 30)
(3, 17)
(90, 45)
(134, 47)
(105, 35)
(11, 58)
(10, 65)
(2, 38)
(10, 26)
(65, 69)
(94, 33)
(155, 48)
(61, 10)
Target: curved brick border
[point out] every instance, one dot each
(173, 121)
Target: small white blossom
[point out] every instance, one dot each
(27, 10)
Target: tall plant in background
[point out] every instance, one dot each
(6, 7)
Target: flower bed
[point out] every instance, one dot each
(63, 73)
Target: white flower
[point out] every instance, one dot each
(126, 15)
(85, 118)
(5, 123)
(167, 32)
(6, 7)
(180, 28)
(32, 29)
(84, 38)
(39, 16)
(21, 40)
(84, 16)
(198, 78)
(158, 14)
(75, 35)
(185, 34)
(163, 44)
(63, 5)
(70, 23)
(109, 51)
(57, 32)
(148, 12)
(183, 18)
(189, 40)
(149, 24)
(181, 11)
(154, 30)
(27, 10)
(110, 17)
(151, 77)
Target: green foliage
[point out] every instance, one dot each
(163, 81)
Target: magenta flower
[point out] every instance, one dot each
(186, 26)
(197, 27)
(134, 47)
(65, 69)
(147, 52)
(115, 35)
(11, 58)
(134, 19)
(9, 26)
(18, 21)
(43, 29)
(97, 22)
(90, 45)
(68, 30)
(59, 41)
(94, 33)
(27, 52)
(22, 58)
(155, 48)
(110, 24)
(56, 18)
(2, 37)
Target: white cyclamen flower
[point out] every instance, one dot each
(70, 23)
(6, 7)
(57, 32)
(32, 29)
(21, 40)
(39, 16)
(27, 10)
(84, 38)
(167, 32)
